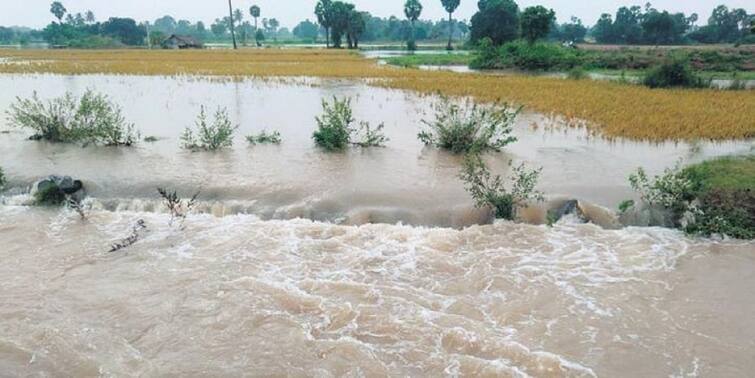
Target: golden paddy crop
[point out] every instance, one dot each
(611, 109)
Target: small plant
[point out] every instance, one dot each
(335, 128)
(491, 191)
(624, 206)
(91, 119)
(178, 208)
(209, 137)
(469, 127)
(74, 203)
(49, 195)
(675, 73)
(577, 73)
(265, 138)
(150, 139)
(369, 137)
(136, 229)
(2, 178)
(672, 190)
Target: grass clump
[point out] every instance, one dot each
(209, 137)
(493, 192)
(265, 138)
(430, 59)
(2, 178)
(468, 127)
(91, 119)
(711, 198)
(336, 129)
(675, 73)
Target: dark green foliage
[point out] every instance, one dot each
(265, 138)
(307, 30)
(525, 56)
(2, 178)
(469, 127)
(725, 212)
(497, 20)
(675, 73)
(492, 191)
(412, 11)
(49, 195)
(91, 119)
(633, 26)
(536, 22)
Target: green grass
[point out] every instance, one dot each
(728, 173)
(431, 60)
(742, 75)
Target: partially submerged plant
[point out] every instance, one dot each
(265, 138)
(470, 127)
(130, 240)
(2, 178)
(209, 137)
(177, 207)
(91, 119)
(493, 192)
(672, 190)
(336, 131)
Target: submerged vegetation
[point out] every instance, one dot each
(209, 137)
(468, 127)
(177, 207)
(609, 107)
(494, 192)
(91, 119)
(711, 198)
(336, 129)
(2, 178)
(265, 138)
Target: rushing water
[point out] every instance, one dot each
(296, 266)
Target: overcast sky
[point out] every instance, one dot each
(36, 13)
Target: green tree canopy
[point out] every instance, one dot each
(497, 20)
(536, 22)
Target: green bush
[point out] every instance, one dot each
(265, 138)
(2, 178)
(491, 191)
(336, 130)
(673, 190)
(676, 73)
(91, 119)
(469, 127)
(525, 56)
(577, 73)
(209, 137)
(725, 212)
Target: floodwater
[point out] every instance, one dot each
(369, 263)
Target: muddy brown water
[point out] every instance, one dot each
(295, 264)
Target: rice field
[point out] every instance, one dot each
(609, 109)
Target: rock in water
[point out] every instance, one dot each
(53, 190)
(570, 207)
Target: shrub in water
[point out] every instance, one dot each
(525, 56)
(469, 127)
(209, 137)
(178, 208)
(491, 191)
(672, 190)
(675, 73)
(265, 138)
(2, 178)
(335, 128)
(91, 119)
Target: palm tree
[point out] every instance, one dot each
(58, 10)
(412, 10)
(324, 12)
(233, 30)
(255, 12)
(450, 6)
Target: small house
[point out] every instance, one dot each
(181, 42)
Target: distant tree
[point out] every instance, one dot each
(573, 31)
(324, 13)
(729, 25)
(450, 6)
(259, 36)
(7, 34)
(658, 28)
(307, 30)
(497, 20)
(165, 24)
(125, 30)
(626, 25)
(58, 10)
(201, 28)
(340, 14)
(89, 17)
(233, 29)
(219, 28)
(536, 22)
(356, 28)
(412, 11)
(603, 29)
(70, 20)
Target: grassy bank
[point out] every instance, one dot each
(612, 109)
(431, 59)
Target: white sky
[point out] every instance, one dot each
(36, 13)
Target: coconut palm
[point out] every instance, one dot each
(412, 10)
(231, 21)
(450, 6)
(255, 12)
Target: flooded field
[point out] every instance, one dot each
(369, 263)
